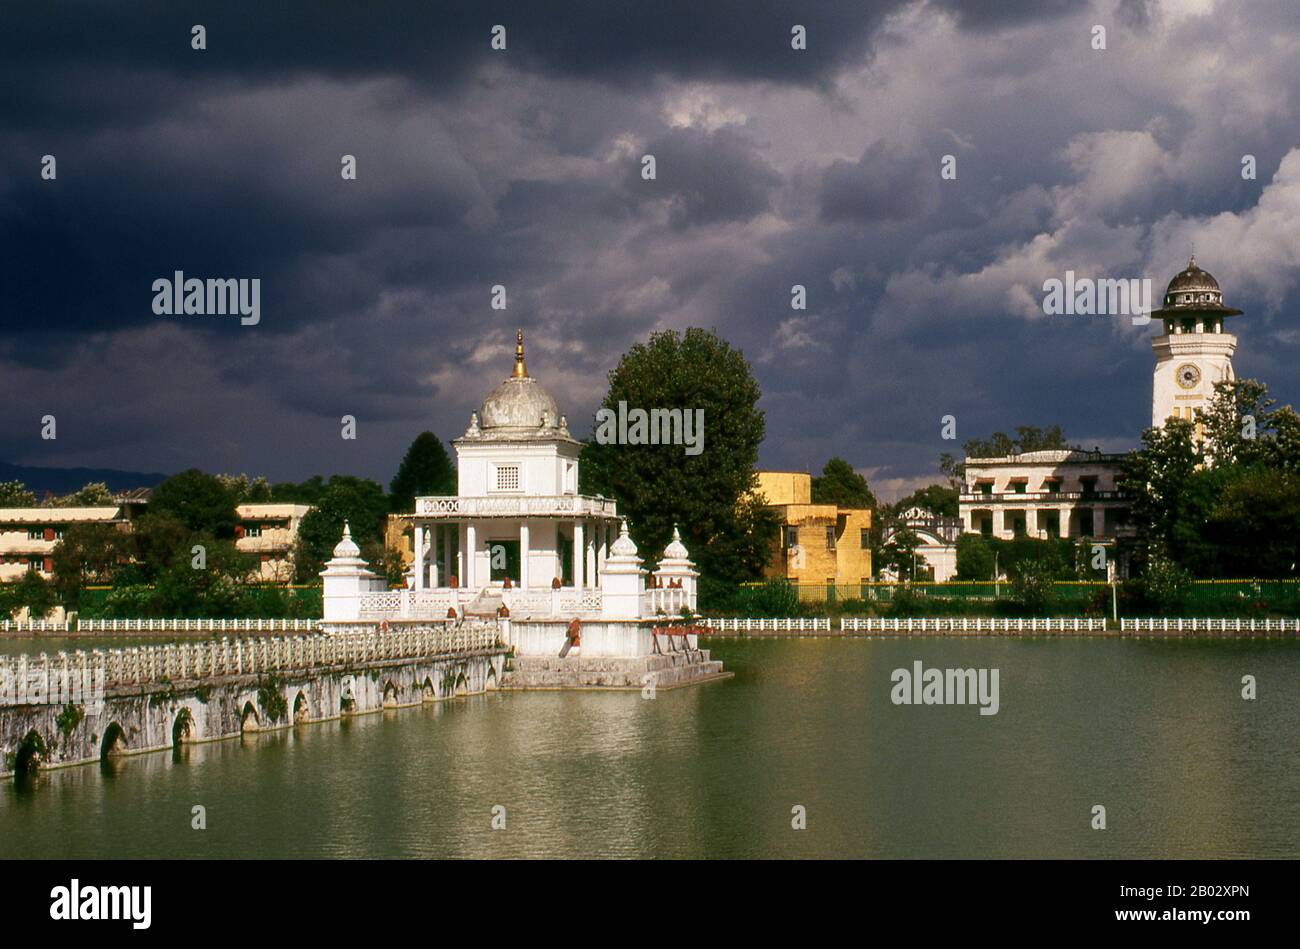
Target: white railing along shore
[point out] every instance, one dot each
(1208, 625)
(971, 624)
(81, 676)
(35, 626)
(768, 624)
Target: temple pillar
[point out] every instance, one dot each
(421, 542)
(523, 555)
(446, 551)
(579, 556)
(471, 556)
(431, 553)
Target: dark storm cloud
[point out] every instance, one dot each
(522, 169)
(883, 185)
(704, 177)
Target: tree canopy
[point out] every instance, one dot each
(709, 495)
(841, 485)
(1225, 505)
(425, 470)
(199, 501)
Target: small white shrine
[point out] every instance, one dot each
(518, 541)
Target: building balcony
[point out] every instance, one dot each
(515, 506)
(434, 604)
(1039, 497)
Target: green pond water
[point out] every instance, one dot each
(1155, 731)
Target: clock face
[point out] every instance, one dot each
(1188, 376)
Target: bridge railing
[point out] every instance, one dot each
(79, 677)
(197, 625)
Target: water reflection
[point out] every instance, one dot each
(1155, 731)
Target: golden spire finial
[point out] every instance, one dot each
(521, 371)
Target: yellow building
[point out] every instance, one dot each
(820, 545)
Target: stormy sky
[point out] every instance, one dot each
(521, 167)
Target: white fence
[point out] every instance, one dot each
(972, 624)
(34, 626)
(1207, 625)
(80, 676)
(782, 624)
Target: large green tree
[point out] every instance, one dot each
(425, 470)
(88, 553)
(199, 501)
(841, 485)
(709, 495)
(1227, 504)
(359, 501)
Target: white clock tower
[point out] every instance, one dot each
(1193, 352)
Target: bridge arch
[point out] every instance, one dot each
(490, 684)
(429, 689)
(301, 708)
(462, 686)
(248, 720)
(114, 742)
(390, 694)
(31, 752)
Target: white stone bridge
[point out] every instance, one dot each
(72, 708)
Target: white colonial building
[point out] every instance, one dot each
(1074, 493)
(518, 540)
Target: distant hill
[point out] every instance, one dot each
(65, 480)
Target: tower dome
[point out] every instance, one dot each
(519, 404)
(1194, 289)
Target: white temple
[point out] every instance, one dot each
(519, 541)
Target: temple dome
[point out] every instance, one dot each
(347, 548)
(519, 403)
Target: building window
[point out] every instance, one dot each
(507, 477)
(830, 538)
(1052, 485)
(986, 526)
(1088, 486)
(791, 536)
(1019, 487)
(986, 488)
(1085, 523)
(35, 563)
(253, 530)
(35, 533)
(865, 539)
(1050, 523)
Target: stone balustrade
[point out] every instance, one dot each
(81, 676)
(197, 625)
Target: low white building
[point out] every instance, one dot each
(938, 541)
(518, 541)
(28, 535)
(269, 531)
